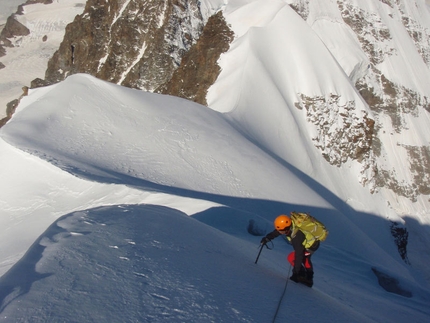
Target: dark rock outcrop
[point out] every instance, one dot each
(137, 44)
(199, 68)
(13, 28)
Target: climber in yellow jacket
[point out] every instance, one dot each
(304, 233)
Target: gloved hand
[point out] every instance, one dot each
(264, 240)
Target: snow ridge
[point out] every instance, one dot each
(108, 183)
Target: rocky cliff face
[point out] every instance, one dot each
(199, 69)
(135, 43)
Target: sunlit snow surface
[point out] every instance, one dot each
(28, 58)
(154, 196)
(127, 206)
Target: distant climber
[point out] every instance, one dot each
(304, 232)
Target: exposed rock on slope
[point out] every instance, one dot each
(134, 43)
(353, 139)
(388, 33)
(199, 68)
(13, 28)
(385, 96)
(32, 35)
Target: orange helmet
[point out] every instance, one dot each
(282, 222)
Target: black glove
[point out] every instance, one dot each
(264, 240)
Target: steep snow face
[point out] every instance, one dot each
(326, 20)
(394, 79)
(395, 82)
(300, 74)
(293, 92)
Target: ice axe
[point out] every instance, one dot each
(261, 249)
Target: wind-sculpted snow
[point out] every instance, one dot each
(273, 86)
(369, 54)
(142, 135)
(372, 54)
(144, 270)
(312, 101)
(130, 166)
(50, 193)
(141, 271)
(153, 264)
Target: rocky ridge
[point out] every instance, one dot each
(12, 28)
(134, 43)
(199, 69)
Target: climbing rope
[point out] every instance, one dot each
(286, 283)
(282, 296)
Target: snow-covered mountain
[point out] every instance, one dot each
(320, 106)
(29, 38)
(355, 72)
(118, 191)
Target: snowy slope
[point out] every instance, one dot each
(265, 79)
(117, 171)
(154, 264)
(125, 248)
(278, 58)
(50, 193)
(29, 57)
(8, 7)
